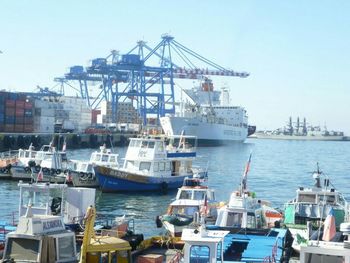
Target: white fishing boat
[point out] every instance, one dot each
(51, 164)
(193, 197)
(151, 165)
(82, 172)
(317, 251)
(304, 215)
(245, 211)
(45, 212)
(210, 117)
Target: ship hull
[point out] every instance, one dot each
(114, 180)
(207, 133)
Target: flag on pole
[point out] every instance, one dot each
(245, 174)
(64, 147)
(329, 229)
(68, 177)
(40, 175)
(204, 209)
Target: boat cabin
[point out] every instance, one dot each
(314, 204)
(150, 156)
(203, 246)
(40, 238)
(104, 157)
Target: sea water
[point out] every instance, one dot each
(277, 169)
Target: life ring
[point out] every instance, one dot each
(58, 171)
(45, 170)
(65, 171)
(2, 170)
(27, 169)
(89, 175)
(6, 171)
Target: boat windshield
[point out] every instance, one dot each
(199, 254)
(199, 195)
(234, 219)
(19, 249)
(185, 210)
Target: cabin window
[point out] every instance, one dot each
(66, 247)
(112, 159)
(144, 144)
(234, 219)
(160, 146)
(145, 166)
(64, 157)
(167, 166)
(161, 166)
(151, 145)
(251, 220)
(22, 249)
(305, 198)
(186, 194)
(199, 195)
(83, 166)
(89, 168)
(329, 199)
(199, 254)
(155, 167)
(105, 158)
(317, 258)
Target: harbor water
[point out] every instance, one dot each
(277, 169)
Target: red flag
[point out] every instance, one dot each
(68, 177)
(246, 170)
(329, 229)
(40, 176)
(204, 209)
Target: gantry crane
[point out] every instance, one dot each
(133, 76)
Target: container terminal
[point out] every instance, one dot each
(116, 94)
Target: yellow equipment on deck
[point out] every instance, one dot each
(95, 247)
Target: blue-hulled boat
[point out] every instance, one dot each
(151, 164)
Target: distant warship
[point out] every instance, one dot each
(302, 131)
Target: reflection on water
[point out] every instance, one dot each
(277, 169)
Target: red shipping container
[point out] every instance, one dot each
(20, 104)
(19, 128)
(20, 112)
(28, 105)
(9, 128)
(19, 120)
(28, 128)
(150, 258)
(10, 103)
(28, 120)
(10, 111)
(94, 114)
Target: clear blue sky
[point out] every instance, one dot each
(296, 51)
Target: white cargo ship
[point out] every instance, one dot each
(209, 116)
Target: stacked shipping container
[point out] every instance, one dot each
(16, 113)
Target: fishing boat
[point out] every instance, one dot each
(327, 251)
(304, 215)
(7, 159)
(82, 173)
(40, 238)
(193, 197)
(151, 164)
(45, 212)
(47, 163)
